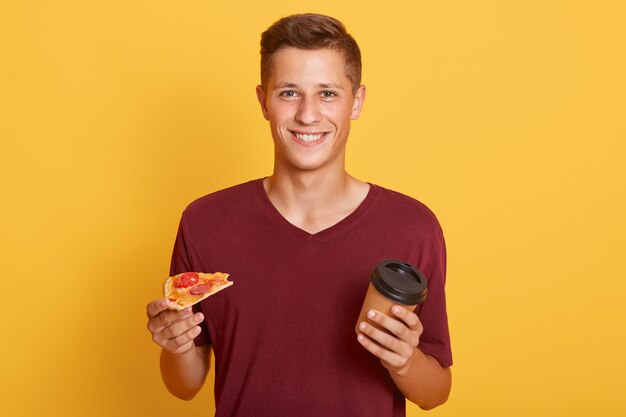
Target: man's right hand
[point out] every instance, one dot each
(173, 330)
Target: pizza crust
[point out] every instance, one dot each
(181, 298)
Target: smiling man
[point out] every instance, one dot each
(309, 102)
(300, 245)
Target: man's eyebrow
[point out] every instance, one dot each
(286, 85)
(335, 86)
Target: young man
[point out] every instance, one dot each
(299, 246)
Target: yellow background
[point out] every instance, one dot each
(506, 118)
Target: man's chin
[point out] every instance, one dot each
(308, 166)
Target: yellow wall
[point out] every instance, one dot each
(506, 118)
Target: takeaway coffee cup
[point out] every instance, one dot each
(393, 282)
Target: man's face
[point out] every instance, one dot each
(309, 104)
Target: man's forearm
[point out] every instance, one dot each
(425, 383)
(184, 374)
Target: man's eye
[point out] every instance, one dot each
(328, 94)
(288, 93)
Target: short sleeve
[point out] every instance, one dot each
(435, 339)
(181, 263)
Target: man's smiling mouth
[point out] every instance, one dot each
(308, 138)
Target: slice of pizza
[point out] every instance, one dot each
(186, 289)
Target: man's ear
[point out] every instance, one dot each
(260, 95)
(357, 105)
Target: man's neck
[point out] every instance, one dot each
(315, 200)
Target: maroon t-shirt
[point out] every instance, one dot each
(283, 334)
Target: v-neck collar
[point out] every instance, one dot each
(274, 215)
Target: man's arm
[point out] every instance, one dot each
(185, 373)
(184, 367)
(418, 376)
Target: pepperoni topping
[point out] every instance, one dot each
(199, 289)
(186, 280)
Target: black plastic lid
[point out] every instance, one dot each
(400, 282)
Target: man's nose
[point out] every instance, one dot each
(308, 111)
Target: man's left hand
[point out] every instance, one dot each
(397, 347)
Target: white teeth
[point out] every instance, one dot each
(308, 138)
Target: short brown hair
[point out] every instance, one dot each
(311, 31)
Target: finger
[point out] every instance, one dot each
(386, 356)
(395, 327)
(180, 327)
(155, 307)
(184, 342)
(166, 317)
(187, 346)
(386, 340)
(177, 327)
(409, 317)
